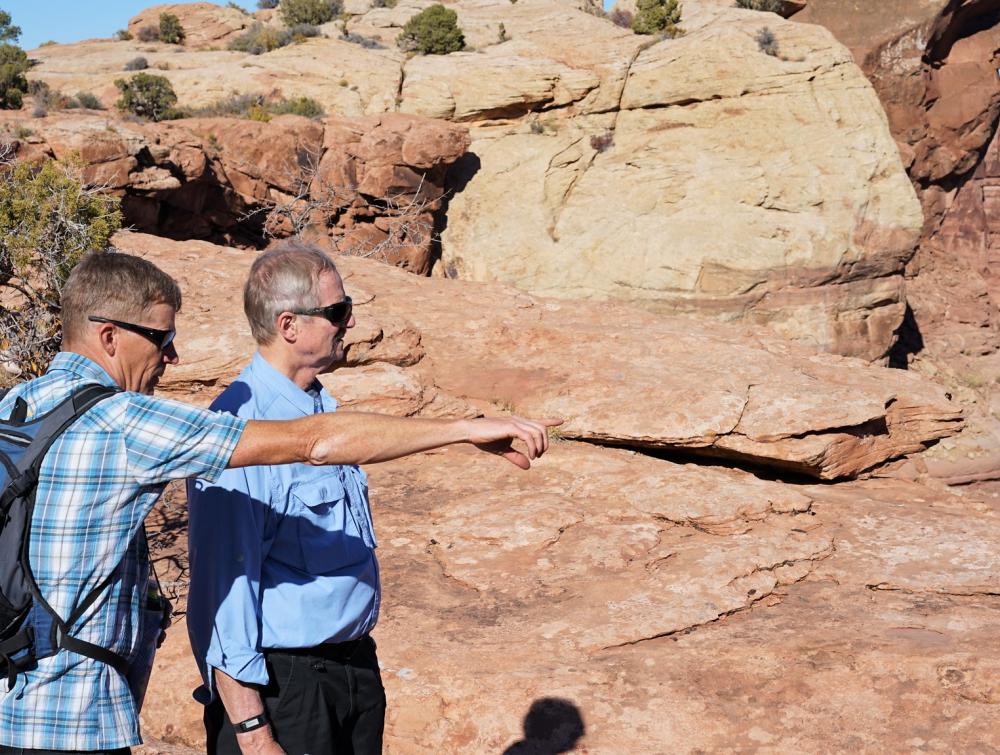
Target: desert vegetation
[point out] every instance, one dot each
(657, 17)
(170, 30)
(772, 6)
(433, 31)
(260, 39)
(147, 96)
(13, 65)
(48, 220)
(313, 12)
(258, 107)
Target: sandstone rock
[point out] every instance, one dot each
(812, 244)
(657, 382)
(374, 183)
(346, 79)
(205, 25)
(933, 65)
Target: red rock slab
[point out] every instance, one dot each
(616, 374)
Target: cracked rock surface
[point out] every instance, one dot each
(708, 611)
(649, 381)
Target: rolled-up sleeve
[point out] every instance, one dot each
(231, 524)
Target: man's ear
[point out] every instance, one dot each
(106, 337)
(286, 326)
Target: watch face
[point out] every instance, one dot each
(251, 723)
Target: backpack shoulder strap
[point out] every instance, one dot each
(55, 422)
(51, 426)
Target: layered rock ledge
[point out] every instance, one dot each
(617, 374)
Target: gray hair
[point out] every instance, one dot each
(283, 279)
(116, 285)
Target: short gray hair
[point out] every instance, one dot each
(113, 284)
(283, 279)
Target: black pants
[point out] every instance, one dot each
(4, 750)
(327, 700)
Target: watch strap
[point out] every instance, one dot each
(252, 723)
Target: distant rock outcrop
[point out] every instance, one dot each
(368, 186)
(205, 24)
(699, 175)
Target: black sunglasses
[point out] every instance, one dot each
(338, 313)
(160, 338)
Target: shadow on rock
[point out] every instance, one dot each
(552, 725)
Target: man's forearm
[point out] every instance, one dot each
(360, 438)
(243, 701)
(342, 438)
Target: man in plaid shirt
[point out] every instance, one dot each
(104, 474)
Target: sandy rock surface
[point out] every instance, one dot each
(647, 381)
(711, 611)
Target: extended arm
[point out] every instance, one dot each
(360, 438)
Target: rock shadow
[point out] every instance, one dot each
(459, 175)
(908, 341)
(552, 725)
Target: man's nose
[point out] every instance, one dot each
(351, 322)
(170, 355)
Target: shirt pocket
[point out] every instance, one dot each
(330, 539)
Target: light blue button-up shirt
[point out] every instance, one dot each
(281, 556)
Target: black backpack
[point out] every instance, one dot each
(29, 627)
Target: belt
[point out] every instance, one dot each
(327, 650)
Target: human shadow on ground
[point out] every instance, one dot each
(552, 725)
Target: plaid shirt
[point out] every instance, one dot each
(98, 482)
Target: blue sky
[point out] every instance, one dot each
(73, 20)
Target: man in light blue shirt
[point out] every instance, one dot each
(284, 579)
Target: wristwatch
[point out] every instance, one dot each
(251, 723)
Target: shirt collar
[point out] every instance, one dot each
(86, 369)
(280, 385)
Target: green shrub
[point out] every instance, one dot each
(257, 107)
(89, 101)
(137, 64)
(148, 96)
(433, 31)
(772, 6)
(171, 30)
(309, 11)
(657, 17)
(305, 106)
(123, 35)
(148, 33)
(236, 105)
(48, 43)
(267, 4)
(236, 6)
(48, 221)
(13, 84)
(302, 32)
(8, 32)
(259, 39)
